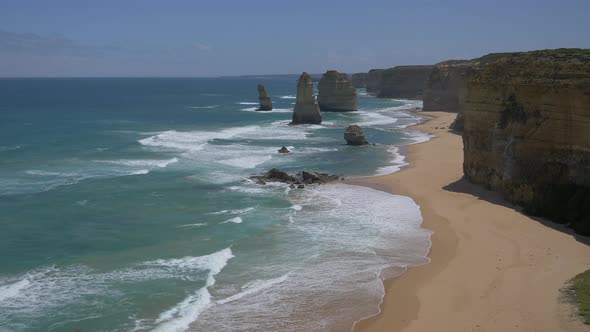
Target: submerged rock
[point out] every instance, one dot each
(284, 150)
(336, 93)
(354, 135)
(265, 101)
(306, 109)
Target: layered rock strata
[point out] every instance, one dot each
(359, 80)
(265, 101)
(447, 82)
(336, 93)
(405, 82)
(527, 132)
(306, 108)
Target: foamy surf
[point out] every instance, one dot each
(236, 220)
(179, 317)
(341, 229)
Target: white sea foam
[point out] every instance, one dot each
(249, 109)
(141, 162)
(296, 207)
(417, 136)
(204, 107)
(288, 97)
(335, 248)
(236, 220)
(375, 119)
(179, 317)
(247, 103)
(246, 162)
(140, 172)
(10, 148)
(253, 288)
(274, 110)
(235, 211)
(11, 290)
(49, 289)
(396, 163)
(193, 225)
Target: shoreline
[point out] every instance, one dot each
(487, 259)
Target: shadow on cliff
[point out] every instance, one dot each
(465, 187)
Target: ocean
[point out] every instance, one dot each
(125, 206)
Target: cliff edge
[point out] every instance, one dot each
(527, 132)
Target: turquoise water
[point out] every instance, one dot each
(124, 206)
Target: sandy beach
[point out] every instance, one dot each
(492, 268)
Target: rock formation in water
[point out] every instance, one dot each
(306, 108)
(265, 101)
(298, 180)
(336, 93)
(527, 132)
(405, 82)
(359, 80)
(284, 150)
(354, 135)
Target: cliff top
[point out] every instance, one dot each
(558, 67)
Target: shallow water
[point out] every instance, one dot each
(124, 207)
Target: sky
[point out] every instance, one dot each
(129, 38)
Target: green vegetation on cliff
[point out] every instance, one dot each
(580, 287)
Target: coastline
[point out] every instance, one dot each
(488, 260)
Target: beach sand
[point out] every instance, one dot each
(492, 268)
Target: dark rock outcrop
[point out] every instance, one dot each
(298, 180)
(527, 132)
(354, 135)
(284, 150)
(336, 93)
(306, 108)
(405, 82)
(359, 80)
(265, 101)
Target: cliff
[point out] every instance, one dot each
(405, 82)
(527, 132)
(265, 101)
(336, 93)
(445, 88)
(306, 109)
(447, 82)
(359, 80)
(373, 83)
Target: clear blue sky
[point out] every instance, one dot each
(208, 38)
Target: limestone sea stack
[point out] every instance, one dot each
(354, 135)
(527, 132)
(336, 93)
(265, 101)
(306, 108)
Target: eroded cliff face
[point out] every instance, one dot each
(306, 108)
(405, 82)
(336, 93)
(445, 88)
(359, 80)
(527, 132)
